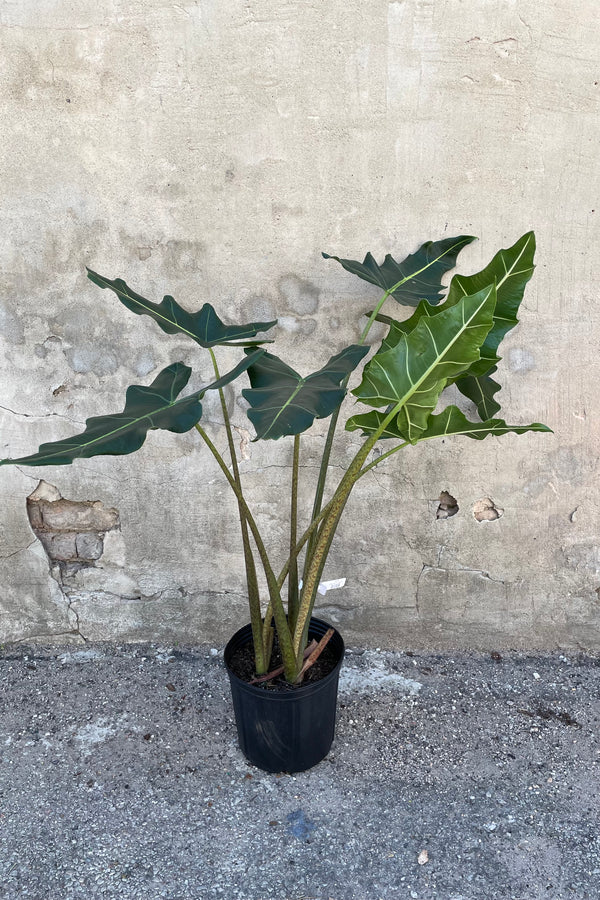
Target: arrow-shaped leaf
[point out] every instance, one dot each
(413, 373)
(145, 408)
(204, 327)
(417, 277)
(449, 422)
(282, 402)
(511, 269)
(453, 421)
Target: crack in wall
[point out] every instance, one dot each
(52, 415)
(49, 636)
(478, 573)
(15, 552)
(71, 609)
(284, 466)
(525, 25)
(27, 474)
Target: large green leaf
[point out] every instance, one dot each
(449, 422)
(413, 373)
(282, 402)
(453, 421)
(204, 327)
(417, 277)
(145, 408)
(511, 269)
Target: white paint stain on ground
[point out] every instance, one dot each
(376, 677)
(95, 733)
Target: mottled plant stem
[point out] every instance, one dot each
(261, 660)
(327, 531)
(320, 490)
(293, 557)
(284, 572)
(283, 631)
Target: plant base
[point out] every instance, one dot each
(288, 731)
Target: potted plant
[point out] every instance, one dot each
(285, 708)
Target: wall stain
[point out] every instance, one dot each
(300, 296)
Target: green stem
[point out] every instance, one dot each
(293, 557)
(305, 537)
(261, 660)
(383, 456)
(332, 428)
(328, 528)
(327, 546)
(285, 639)
(323, 471)
(320, 565)
(284, 572)
(377, 310)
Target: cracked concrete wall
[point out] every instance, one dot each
(212, 150)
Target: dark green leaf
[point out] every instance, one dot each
(413, 373)
(204, 327)
(449, 422)
(283, 403)
(150, 407)
(369, 423)
(481, 390)
(511, 269)
(418, 277)
(453, 421)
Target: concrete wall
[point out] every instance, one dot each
(212, 150)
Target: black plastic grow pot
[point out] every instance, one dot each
(286, 731)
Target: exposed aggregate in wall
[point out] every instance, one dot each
(71, 532)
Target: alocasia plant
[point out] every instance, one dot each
(441, 343)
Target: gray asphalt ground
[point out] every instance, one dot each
(458, 777)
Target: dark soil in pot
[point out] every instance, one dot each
(241, 664)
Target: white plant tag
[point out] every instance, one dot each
(325, 586)
(330, 585)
